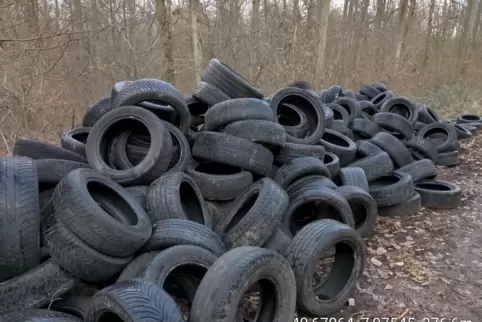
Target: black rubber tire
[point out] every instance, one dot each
(339, 126)
(335, 91)
(380, 86)
(423, 148)
(218, 209)
(135, 300)
(439, 194)
(307, 247)
(381, 98)
(401, 106)
(417, 127)
(339, 114)
(254, 215)
(365, 148)
(469, 118)
(448, 158)
(218, 181)
(293, 120)
(427, 115)
(35, 288)
(324, 203)
(51, 171)
(233, 151)
(462, 132)
(267, 133)
(394, 124)
(233, 110)
(393, 189)
(139, 193)
(229, 81)
(209, 94)
(443, 128)
(310, 180)
(19, 217)
(119, 86)
(365, 128)
(78, 258)
(367, 110)
(158, 156)
(363, 207)
(39, 315)
(332, 162)
(375, 166)
(36, 149)
(233, 274)
(421, 169)
(172, 232)
(300, 84)
(278, 242)
(350, 105)
(299, 168)
(311, 106)
(326, 97)
(176, 196)
(291, 151)
(75, 305)
(369, 91)
(395, 149)
(329, 116)
(408, 207)
(74, 140)
(362, 98)
(96, 111)
(353, 176)
(132, 270)
(349, 93)
(340, 145)
(158, 91)
(101, 213)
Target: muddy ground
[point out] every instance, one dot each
(428, 265)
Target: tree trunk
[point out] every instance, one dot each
(464, 44)
(165, 26)
(255, 16)
(402, 21)
(322, 15)
(428, 40)
(197, 52)
(265, 9)
(476, 24)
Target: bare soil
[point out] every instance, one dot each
(427, 266)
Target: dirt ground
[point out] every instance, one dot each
(429, 266)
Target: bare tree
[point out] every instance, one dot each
(428, 41)
(163, 17)
(322, 15)
(197, 51)
(402, 21)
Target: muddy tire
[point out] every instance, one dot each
(439, 128)
(375, 166)
(422, 169)
(392, 190)
(36, 149)
(394, 124)
(353, 176)
(395, 149)
(267, 133)
(74, 140)
(332, 162)
(409, 207)
(340, 145)
(299, 168)
(209, 94)
(439, 194)
(291, 151)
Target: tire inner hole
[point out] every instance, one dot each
(360, 213)
(81, 137)
(333, 271)
(258, 303)
(384, 181)
(112, 203)
(471, 117)
(379, 98)
(310, 211)
(162, 110)
(433, 186)
(109, 317)
(288, 116)
(337, 115)
(190, 203)
(216, 168)
(400, 109)
(328, 159)
(335, 139)
(243, 210)
(304, 105)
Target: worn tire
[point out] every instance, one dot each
(448, 158)
(293, 120)
(422, 169)
(395, 124)
(408, 207)
(469, 118)
(51, 171)
(353, 176)
(209, 94)
(299, 168)
(139, 193)
(74, 140)
(439, 194)
(395, 149)
(291, 151)
(365, 128)
(443, 128)
(351, 105)
(96, 111)
(267, 133)
(401, 106)
(310, 180)
(375, 166)
(75, 305)
(424, 148)
(381, 98)
(340, 145)
(369, 91)
(364, 148)
(393, 189)
(332, 162)
(37, 149)
(278, 242)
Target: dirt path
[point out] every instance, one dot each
(428, 265)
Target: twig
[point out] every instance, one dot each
(6, 143)
(55, 35)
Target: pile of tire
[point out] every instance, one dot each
(161, 200)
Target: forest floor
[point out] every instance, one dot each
(429, 266)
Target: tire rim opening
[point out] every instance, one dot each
(243, 210)
(258, 303)
(109, 317)
(379, 98)
(310, 211)
(470, 117)
(190, 203)
(401, 109)
(335, 139)
(436, 132)
(328, 159)
(112, 203)
(360, 213)
(81, 137)
(162, 110)
(182, 282)
(433, 186)
(288, 116)
(215, 168)
(384, 181)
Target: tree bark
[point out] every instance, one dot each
(255, 16)
(428, 40)
(402, 21)
(322, 15)
(464, 44)
(164, 22)
(197, 52)
(476, 24)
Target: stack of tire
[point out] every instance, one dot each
(208, 198)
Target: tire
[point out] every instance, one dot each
(135, 300)
(322, 201)
(326, 97)
(439, 194)
(362, 98)
(229, 81)
(101, 213)
(443, 128)
(332, 162)
(395, 149)
(19, 217)
(291, 151)
(369, 91)
(133, 269)
(375, 166)
(381, 98)
(339, 113)
(96, 111)
(300, 84)
(119, 86)
(37, 149)
(311, 106)
(78, 258)
(427, 115)
(240, 109)
(392, 190)
(218, 181)
(218, 210)
(462, 133)
(209, 94)
(75, 305)
(424, 148)
(364, 148)
(158, 91)
(380, 86)
(139, 193)
(448, 159)
(422, 169)
(172, 232)
(230, 277)
(409, 207)
(233, 151)
(354, 176)
(293, 120)
(365, 128)
(307, 247)
(37, 315)
(74, 140)
(363, 207)
(401, 106)
(394, 124)
(335, 91)
(158, 156)
(328, 116)
(299, 168)
(254, 215)
(349, 93)
(35, 288)
(418, 126)
(310, 180)
(350, 105)
(266, 133)
(367, 110)
(51, 171)
(469, 118)
(176, 196)
(340, 145)
(278, 242)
